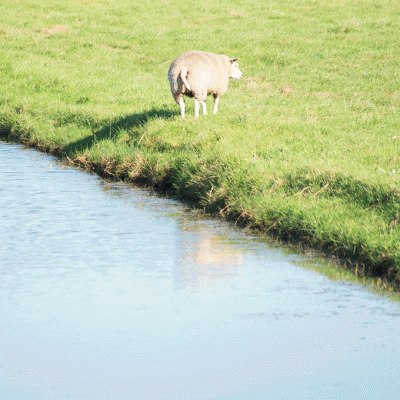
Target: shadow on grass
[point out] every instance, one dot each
(109, 130)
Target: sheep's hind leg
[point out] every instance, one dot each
(216, 101)
(181, 103)
(203, 104)
(196, 108)
(197, 101)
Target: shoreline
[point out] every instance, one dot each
(327, 264)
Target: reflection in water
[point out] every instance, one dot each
(109, 293)
(206, 261)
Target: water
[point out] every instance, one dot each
(109, 293)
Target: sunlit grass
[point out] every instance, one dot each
(305, 146)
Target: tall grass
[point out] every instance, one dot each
(305, 146)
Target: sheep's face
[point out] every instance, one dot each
(235, 72)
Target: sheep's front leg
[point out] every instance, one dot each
(216, 101)
(182, 107)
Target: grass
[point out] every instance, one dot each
(305, 146)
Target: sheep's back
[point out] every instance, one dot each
(208, 72)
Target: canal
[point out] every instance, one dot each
(108, 292)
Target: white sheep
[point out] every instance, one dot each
(200, 73)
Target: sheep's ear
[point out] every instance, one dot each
(232, 60)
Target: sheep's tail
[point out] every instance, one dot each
(183, 74)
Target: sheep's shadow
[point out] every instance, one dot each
(109, 130)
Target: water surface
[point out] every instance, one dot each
(109, 293)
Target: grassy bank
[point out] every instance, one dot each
(305, 146)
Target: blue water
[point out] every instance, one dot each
(107, 292)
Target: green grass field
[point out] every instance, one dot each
(305, 146)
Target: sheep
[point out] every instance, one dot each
(200, 73)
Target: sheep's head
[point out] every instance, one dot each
(234, 72)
